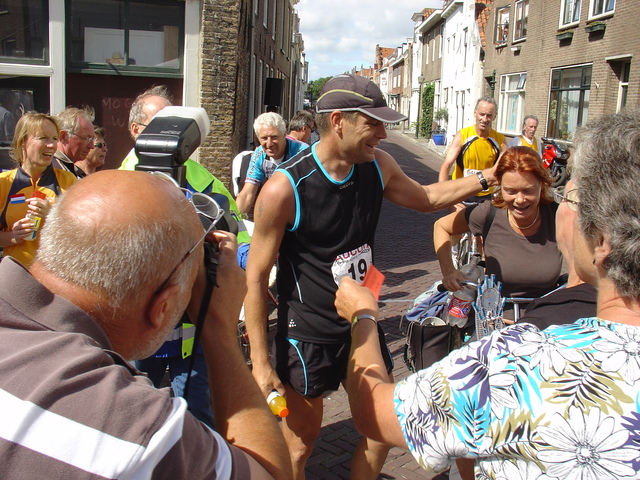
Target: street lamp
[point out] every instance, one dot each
(421, 80)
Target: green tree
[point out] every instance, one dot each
(314, 87)
(426, 110)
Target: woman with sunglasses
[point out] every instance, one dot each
(96, 157)
(27, 192)
(520, 246)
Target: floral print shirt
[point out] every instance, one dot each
(528, 404)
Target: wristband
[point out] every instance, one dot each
(483, 181)
(357, 318)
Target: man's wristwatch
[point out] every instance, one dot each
(483, 181)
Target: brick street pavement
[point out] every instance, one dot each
(404, 253)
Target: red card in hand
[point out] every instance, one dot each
(373, 280)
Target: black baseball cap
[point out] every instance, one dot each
(353, 93)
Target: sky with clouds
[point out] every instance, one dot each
(341, 34)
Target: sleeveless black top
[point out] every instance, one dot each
(333, 236)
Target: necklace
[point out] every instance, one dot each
(513, 222)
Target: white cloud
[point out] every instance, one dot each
(342, 34)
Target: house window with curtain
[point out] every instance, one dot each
(511, 102)
(569, 100)
(133, 35)
(601, 7)
(570, 12)
(522, 15)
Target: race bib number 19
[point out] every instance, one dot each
(353, 263)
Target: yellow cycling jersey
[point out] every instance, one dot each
(477, 153)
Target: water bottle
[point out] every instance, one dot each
(277, 404)
(460, 302)
(37, 220)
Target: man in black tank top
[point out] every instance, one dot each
(319, 211)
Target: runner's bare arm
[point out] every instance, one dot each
(406, 192)
(274, 210)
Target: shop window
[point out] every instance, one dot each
(128, 35)
(569, 100)
(511, 102)
(24, 30)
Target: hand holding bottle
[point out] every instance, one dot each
(277, 404)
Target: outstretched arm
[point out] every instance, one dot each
(406, 192)
(370, 391)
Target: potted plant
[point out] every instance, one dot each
(440, 116)
(595, 27)
(565, 35)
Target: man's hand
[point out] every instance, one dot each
(353, 299)
(227, 297)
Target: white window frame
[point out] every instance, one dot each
(505, 99)
(426, 49)
(265, 13)
(623, 87)
(465, 34)
(574, 5)
(579, 113)
(500, 37)
(521, 9)
(605, 13)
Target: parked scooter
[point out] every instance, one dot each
(554, 158)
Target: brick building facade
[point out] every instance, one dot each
(564, 67)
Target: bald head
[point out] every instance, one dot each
(107, 233)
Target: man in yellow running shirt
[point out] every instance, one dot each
(475, 147)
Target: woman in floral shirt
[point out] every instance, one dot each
(562, 403)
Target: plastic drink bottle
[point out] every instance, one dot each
(277, 404)
(460, 303)
(36, 219)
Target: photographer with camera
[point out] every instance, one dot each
(176, 352)
(97, 298)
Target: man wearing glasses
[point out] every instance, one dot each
(177, 353)
(77, 139)
(73, 406)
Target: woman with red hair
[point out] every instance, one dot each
(520, 246)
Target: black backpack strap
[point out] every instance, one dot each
(491, 214)
(460, 158)
(463, 150)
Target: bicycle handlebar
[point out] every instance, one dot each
(464, 283)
